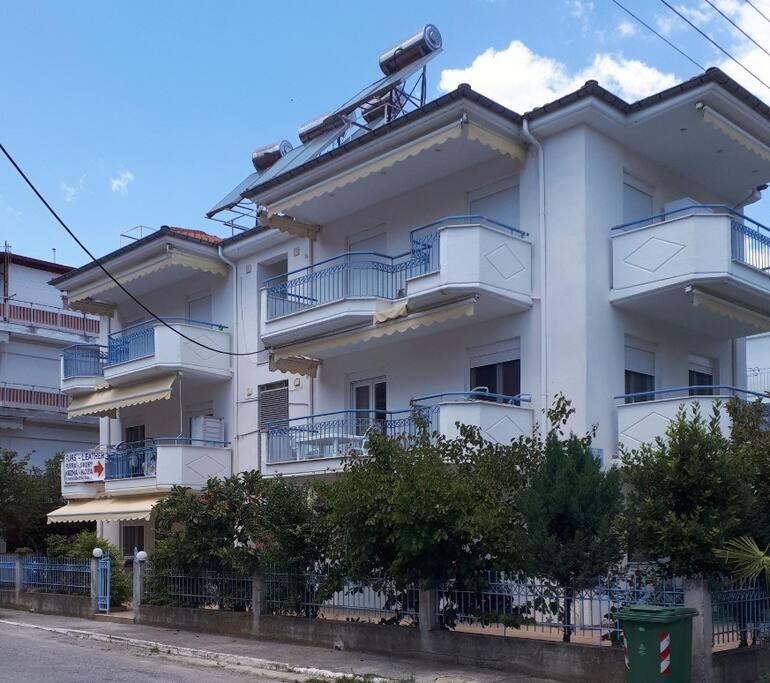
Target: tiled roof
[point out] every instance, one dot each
(194, 234)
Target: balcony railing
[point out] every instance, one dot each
(51, 317)
(750, 240)
(29, 396)
(83, 360)
(695, 391)
(138, 341)
(131, 460)
(363, 274)
(342, 433)
(759, 380)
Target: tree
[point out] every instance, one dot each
(571, 512)
(686, 495)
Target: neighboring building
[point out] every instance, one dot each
(458, 261)
(34, 328)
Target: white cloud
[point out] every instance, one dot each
(522, 79)
(12, 211)
(580, 8)
(626, 29)
(120, 184)
(69, 192)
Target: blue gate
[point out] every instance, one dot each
(103, 585)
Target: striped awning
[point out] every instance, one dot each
(123, 508)
(105, 402)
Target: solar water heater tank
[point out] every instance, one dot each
(427, 40)
(264, 157)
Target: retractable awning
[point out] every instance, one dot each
(124, 508)
(105, 402)
(307, 352)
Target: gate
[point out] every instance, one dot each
(103, 585)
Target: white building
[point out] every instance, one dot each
(34, 328)
(429, 259)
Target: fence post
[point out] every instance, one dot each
(257, 597)
(18, 579)
(428, 600)
(94, 585)
(697, 595)
(140, 560)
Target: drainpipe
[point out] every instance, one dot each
(541, 238)
(311, 381)
(236, 359)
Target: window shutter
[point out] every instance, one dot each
(273, 403)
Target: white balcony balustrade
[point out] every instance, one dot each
(705, 267)
(450, 259)
(152, 348)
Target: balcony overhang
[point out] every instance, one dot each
(127, 508)
(106, 402)
(463, 142)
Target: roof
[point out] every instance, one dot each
(164, 231)
(39, 264)
(281, 173)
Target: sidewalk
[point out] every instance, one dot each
(295, 658)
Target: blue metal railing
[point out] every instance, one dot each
(749, 239)
(55, 575)
(138, 341)
(130, 460)
(341, 433)
(83, 360)
(7, 571)
(365, 274)
(693, 391)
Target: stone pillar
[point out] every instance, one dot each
(257, 598)
(138, 584)
(18, 579)
(94, 585)
(429, 620)
(697, 595)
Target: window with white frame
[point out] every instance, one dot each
(701, 374)
(496, 369)
(639, 374)
(369, 398)
(132, 539)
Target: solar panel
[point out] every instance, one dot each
(232, 197)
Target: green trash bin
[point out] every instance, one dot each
(657, 643)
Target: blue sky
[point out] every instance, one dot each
(147, 112)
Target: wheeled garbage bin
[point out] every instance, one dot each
(657, 642)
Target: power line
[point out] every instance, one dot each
(107, 272)
(662, 37)
(714, 43)
(737, 27)
(757, 10)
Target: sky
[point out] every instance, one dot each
(146, 113)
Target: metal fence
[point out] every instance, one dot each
(131, 343)
(204, 589)
(32, 397)
(740, 612)
(7, 571)
(55, 575)
(43, 315)
(83, 360)
(750, 243)
(131, 460)
(504, 601)
(321, 595)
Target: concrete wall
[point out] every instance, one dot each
(49, 603)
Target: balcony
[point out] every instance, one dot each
(644, 416)
(704, 267)
(461, 256)
(31, 318)
(82, 368)
(156, 465)
(152, 348)
(318, 444)
(32, 397)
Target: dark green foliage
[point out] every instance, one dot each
(686, 495)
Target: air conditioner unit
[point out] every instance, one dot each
(207, 428)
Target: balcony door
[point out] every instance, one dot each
(369, 400)
(363, 279)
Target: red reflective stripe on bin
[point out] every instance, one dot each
(625, 650)
(665, 653)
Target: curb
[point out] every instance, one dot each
(156, 647)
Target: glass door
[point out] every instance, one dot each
(369, 399)
(365, 278)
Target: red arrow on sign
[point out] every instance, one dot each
(98, 468)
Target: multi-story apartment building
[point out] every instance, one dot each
(34, 328)
(453, 261)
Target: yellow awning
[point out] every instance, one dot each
(106, 401)
(736, 133)
(309, 350)
(715, 304)
(391, 313)
(468, 130)
(296, 365)
(123, 508)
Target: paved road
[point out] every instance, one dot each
(34, 656)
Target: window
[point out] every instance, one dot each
(273, 403)
(200, 309)
(370, 396)
(497, 378)
(640, 374)
(135, 433)
(500, 205)
(637, 204)
(700, 374)
(132, 539)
